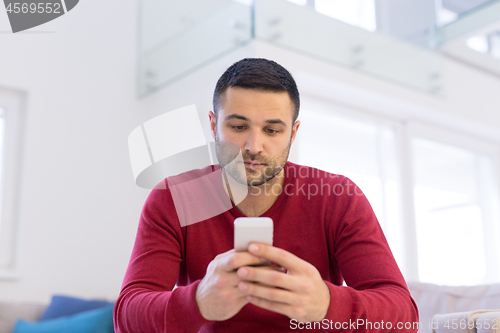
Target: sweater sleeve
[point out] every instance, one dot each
(376, 298)
(147, 302)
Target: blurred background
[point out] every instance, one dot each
(402, 96)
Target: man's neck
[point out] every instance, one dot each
(258, 199)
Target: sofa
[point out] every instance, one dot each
(448, 308)
(62, 314)
(439, 302)
(10, 312)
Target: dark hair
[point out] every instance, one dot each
(260, 74)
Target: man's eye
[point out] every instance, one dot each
(238, 127)
(272, 131)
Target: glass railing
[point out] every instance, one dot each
(284, 24)
(305, 30)
(475, 19)
(225, 28)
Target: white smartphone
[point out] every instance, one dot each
(252, 229)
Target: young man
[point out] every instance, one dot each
(325, 232)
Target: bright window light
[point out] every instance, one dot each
(245, 2)
(446, 16)
(365, 152)
(360, 13)
(450, 196)
(487, 44)
(455, 192)
(478, 43)
(299, 2)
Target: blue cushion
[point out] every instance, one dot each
(93, 321)
(66, 306)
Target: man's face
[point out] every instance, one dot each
(260, 124)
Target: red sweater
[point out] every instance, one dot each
(337, 232)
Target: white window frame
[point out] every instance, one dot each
(407, 127)
(464, 140)
(13, 102)
(409, 263)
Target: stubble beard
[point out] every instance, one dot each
(251, 177)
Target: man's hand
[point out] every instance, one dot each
(303, 296)
(217, 295)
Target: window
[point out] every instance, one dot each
(360, 13)
(11, 119)
(489, 44)
(452, 190)
(435, 194)
(363, 150)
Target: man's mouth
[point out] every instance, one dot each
(253, 164)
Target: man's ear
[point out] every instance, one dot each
(213, 123)
(295, 128)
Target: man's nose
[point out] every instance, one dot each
(254, 143)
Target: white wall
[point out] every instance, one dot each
(79, 206)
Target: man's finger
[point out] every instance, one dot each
(268, 293)
(268, 277)
(277, 255)
(234, 260)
